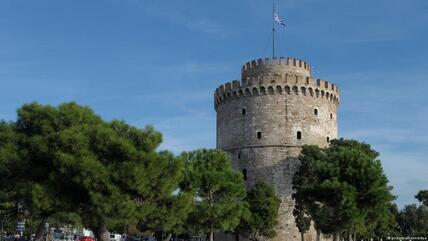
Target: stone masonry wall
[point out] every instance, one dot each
(258, 120)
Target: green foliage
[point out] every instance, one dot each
(343, 189)
(170, 214)
(263, 213)
(169, 209)
(219, 190)
(73, 167)
(422, 196)
(9, 176)
(413, 220)
(302, 216)
(304, 178)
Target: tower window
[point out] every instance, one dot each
(244, 174)
(331, 116)
(315, 111)
(299, 135)
(259, 135)
(239, 155)
(243, 111)
(328, 139)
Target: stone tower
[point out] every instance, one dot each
(265, 118)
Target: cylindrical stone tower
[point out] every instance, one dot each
(264, 119)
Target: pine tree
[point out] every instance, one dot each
(72, 161)
(261, 222)
(422, 196)
(343, 189)
(220, 191)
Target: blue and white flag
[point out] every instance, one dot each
(278, 19)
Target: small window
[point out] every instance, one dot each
(239, 155)
(315, 111)
(299, 135)
(259, 135)
(243, 111)
(244, 174)
(331, 116)
(328, 139)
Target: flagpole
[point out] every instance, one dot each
(273, 30)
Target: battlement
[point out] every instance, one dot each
(288, 84)
(263, 120)
(280, 65)
(277, 76)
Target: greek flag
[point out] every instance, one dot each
(278, 19)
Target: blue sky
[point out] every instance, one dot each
(158, 62)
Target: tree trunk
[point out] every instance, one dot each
(41, 231)
(335, 237)
(254, 236)
(211, 235)
(168, 237)
(101, 233)
(302, 236)
(318, 235)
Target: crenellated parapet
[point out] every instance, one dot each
(289, 85)
(287, 76)
(263, 120)
(276, 66)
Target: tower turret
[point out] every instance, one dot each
(264, 119)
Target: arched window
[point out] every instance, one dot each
(331, 116)
(303, 90)
(328, 139)
(299, 135)
(244, 173)
(295, 90)
(243, 111)
(259, 135)
(315, 111)
(247, 92)
(255, 91)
